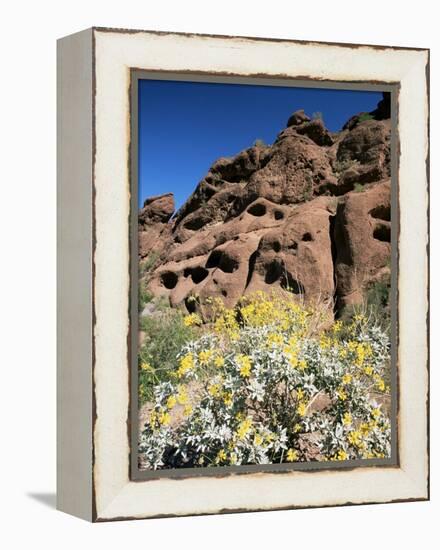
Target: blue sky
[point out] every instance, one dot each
(185, 126)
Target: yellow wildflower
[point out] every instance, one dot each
(192, 320)
(186, 364)
(368, 370)
(302, 364)
(244, 364)
(205, 356)
(341, 394)
(244, 428)
(258, 440)
(227, 399)
(351, 345)
(347, 419)
(221, 455)
(347, 378)
(375, 413)
(164, 418)
(182, 396)
(214, 390)
(365, 428)
(171, 401)
(341, 455)
(291, 455)
(219, 362)
(274, 339)
(146, 367)
(325, 342)
(380, 384)
(355, 438)
(153, 419)
(187, 410)
(360, 355)
(302, 409)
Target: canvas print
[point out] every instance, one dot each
(265, 268)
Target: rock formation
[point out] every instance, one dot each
(309, 214)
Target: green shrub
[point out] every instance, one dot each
(147, 265)
(144, 296)
(165, 335)
(317, 115)
(340, 166)
(378, 302)
(244, 391)
(259, 143)
(365, 116)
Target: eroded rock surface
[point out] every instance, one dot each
(309, 215)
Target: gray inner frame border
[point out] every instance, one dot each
(135, 474)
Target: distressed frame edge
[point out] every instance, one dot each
(74, 274)
(353, 45)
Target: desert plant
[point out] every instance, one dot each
(166, 332)
(365, 116)
(307, 193)
(260, 370)
(340, 166)
(147, 265)
(144, 296)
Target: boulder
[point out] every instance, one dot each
(362, 241)
(157, 209)
(297, 118)
(316, 131)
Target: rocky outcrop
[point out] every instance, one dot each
(363, 241)
(153, 218)
(309, 215)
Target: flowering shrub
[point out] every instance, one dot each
(262, 383)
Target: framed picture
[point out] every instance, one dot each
(242, 274)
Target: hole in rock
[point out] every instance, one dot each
(276, 246)
(198, 274)
(228, 264)
(278, 215)
(190, 304)
(382, 213)
(257, 209)
(273, 272)
(224, 293)
(307, 237)
(194, 224)
(290, 284)
(220, 259)
(382, 233)
(169, 279)
(214, 258)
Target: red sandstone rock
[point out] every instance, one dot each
(258, 221)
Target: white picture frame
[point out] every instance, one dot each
(95, 479)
